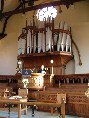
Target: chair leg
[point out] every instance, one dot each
(59, 111)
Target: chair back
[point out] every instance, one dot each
(61, 97)
(23, 92)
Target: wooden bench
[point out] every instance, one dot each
(19, 102)
(52, 97)
(5, 92)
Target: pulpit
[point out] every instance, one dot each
(36, 83)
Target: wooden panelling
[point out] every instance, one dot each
(36, 61)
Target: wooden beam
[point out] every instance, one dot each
(5, 14)
(35, 7)
(2, 5)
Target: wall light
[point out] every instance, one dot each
(52, 65)
(19, 66)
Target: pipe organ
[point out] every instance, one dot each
(44, 39)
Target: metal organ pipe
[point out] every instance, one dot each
(39, 42)
(43, 41)
(59, 41)
(23, 44)
(61, 26)
(66, 27)
(46, 39)
(55, 42)
(63, 43)
(68, 43)
(34, 42)
(28, 42)
(19, 46)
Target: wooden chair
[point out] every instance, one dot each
(61, 99)
(23, 93)
(4, 93)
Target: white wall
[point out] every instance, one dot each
(70, 67)
(77, 18)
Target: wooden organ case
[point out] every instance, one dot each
(38, 44)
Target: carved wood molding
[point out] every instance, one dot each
(80, 62)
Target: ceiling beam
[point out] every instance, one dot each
(35, 7)
(23, 10)
(55, 3)
(1, 5)
(2, 34)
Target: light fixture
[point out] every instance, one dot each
(51, 61)
(19, 66)
(46, 13)
(87, 92)
(52, 65)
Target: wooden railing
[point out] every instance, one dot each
(3, 77)
(70, 79)
(11, 81)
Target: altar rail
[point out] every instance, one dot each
(10, 81)
(70, 79)
(9, 77)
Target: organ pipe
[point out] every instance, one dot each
(44, 37)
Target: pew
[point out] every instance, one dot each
(21, 102)
(52, 97)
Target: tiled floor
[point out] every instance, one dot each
(38, 114)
